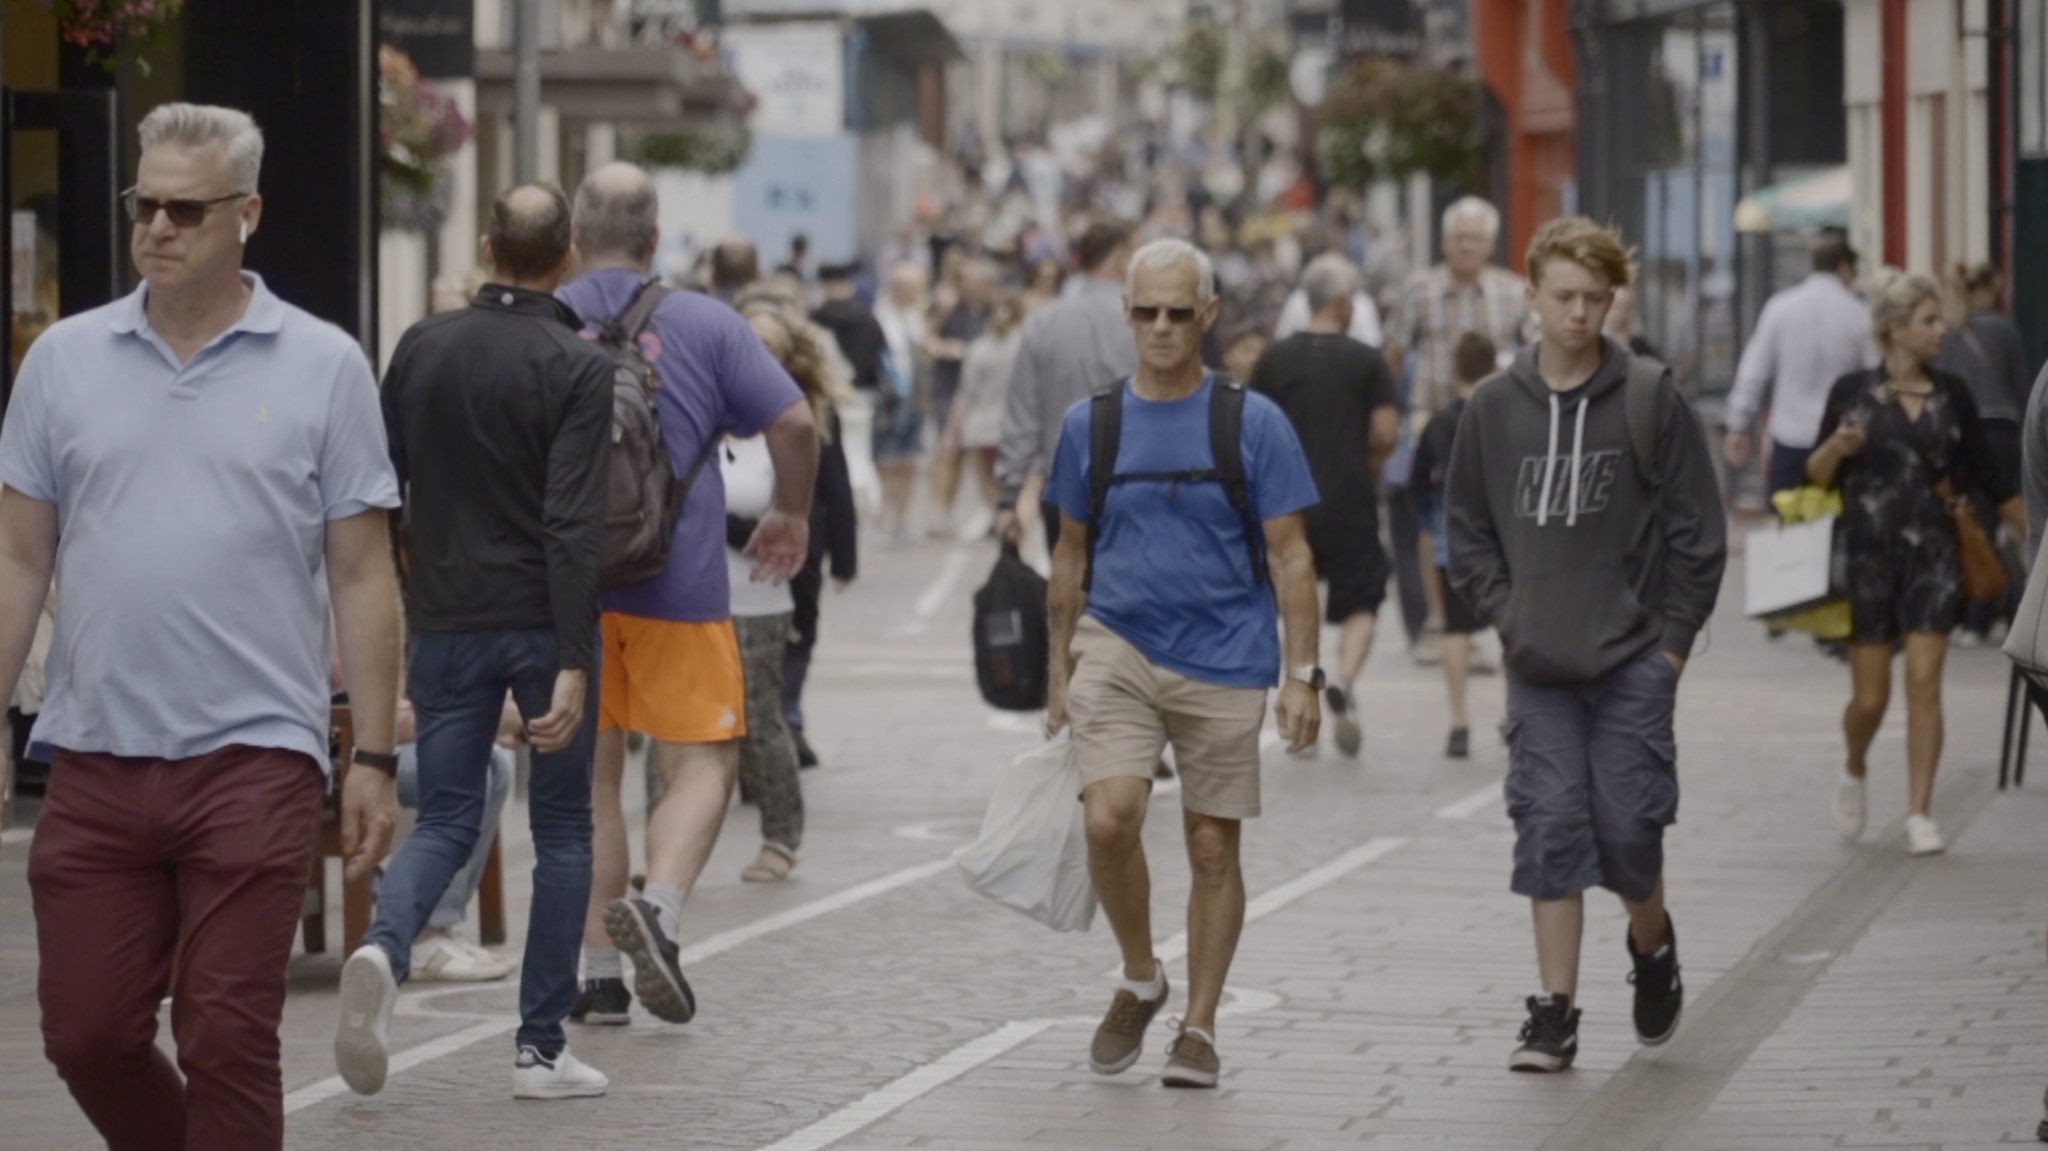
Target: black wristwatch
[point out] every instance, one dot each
(386, 762)
(1310, 675)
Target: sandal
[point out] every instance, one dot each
(773, 865)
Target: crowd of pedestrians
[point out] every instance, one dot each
(1500, 452)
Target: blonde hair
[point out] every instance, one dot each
(1583, 242)
(1894, 300)
(820, 375)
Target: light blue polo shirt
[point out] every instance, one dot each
(192, 504)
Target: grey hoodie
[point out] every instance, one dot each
(1556, 540)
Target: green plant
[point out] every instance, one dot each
(714, 150)
(107, 28)
(1200, 52)
(1387, 120)
(1267, 82)
(418, 128)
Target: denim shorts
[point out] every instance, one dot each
(1592, 780)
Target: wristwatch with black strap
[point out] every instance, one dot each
(386, 762)
(1310, 675)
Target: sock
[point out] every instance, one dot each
(602, 963)
(668, 905)
(1149, 990)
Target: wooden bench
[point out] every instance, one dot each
(355, 894)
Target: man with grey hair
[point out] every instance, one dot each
(213, 454)
(1465, 293)
(670, 667)
(1180, 500)
(1364, 325)
(1341, 399)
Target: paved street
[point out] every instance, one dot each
(1839, 996)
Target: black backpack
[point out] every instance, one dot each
(643, 496)
(1012, 643)
(1226, 427)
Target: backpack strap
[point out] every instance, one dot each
(626, 327)
(1639, 408)
(1105, 436)
(679, 486)
(1226, 446)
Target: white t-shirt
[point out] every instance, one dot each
(1365, 319)
(749, 492)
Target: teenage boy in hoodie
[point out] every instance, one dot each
(1598, 569)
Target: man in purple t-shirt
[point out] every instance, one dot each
(671, 664)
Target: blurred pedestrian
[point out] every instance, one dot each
(500, 426)
(906, 373)
(1241, 351)
(1901, 441)
(217, 463)
(735, 267)
(1599, 567)
(671, 667)
(1985, 351)
(1073, 348)
(1164, 629)
(962, 324)
(1452, 616)
(1808, 336)
(1340, 397)
(976, 427)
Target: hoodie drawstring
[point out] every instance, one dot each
(1550, 465)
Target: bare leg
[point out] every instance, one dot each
(1646, 921)
(609, 862)
(1215, 912)
(945, 488)
(985, 474)
(1116, 859)
(1925, 653)
(1354, 644)
(898, 477)
(1870, 678)
(684, 828)
(1457, 652)
(1559, 925)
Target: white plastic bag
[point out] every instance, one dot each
(1032, 853)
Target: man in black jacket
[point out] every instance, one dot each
(500, 425)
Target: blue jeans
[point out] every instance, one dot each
(1787, 468)
(454, 905)
(458, 682)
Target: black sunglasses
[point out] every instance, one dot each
(1148, 314)
(183, 213)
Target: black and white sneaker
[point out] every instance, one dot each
(603, 1001)
(1550, 1039)
(635, 928)
(1349, 738)
(1660, 996)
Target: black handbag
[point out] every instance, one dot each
(1012, 642)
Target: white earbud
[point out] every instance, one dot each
(245, 231)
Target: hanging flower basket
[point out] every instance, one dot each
(418, 128)
(103, 27)
(1387, 121)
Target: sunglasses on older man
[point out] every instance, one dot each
(1148, 314)
(183, 213)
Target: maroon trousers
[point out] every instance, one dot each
(140, 865)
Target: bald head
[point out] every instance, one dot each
(528, 239)
(616, 215)
(735, 263)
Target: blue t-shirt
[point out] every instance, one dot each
(1172, 573)
(717, 379)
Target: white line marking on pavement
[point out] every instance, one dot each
(922, 1081)
(492, 1026)
(1472, 804)
(21, 835)
(1017, 722)
(1175, 949)
(881, 1103)
(931, 830)
(938, 592)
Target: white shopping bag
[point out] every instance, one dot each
(857, 437)
(1032, 854)
(1788, 567)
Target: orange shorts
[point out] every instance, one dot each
(678, 682)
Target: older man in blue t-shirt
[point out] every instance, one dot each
(1173, 638)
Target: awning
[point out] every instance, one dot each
(630, 86)
(1817, 200)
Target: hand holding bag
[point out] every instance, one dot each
(1032, 853)
(1983, 575)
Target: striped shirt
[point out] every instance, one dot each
(1433, 310)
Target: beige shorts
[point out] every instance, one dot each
(1125, 709)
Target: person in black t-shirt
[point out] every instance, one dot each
(1472, 360)
(1340, 396)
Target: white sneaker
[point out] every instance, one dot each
(1850, 807)
(564, 1077)
(451, 959)
(361, 1047)
(1923, 837)
(1428, 648)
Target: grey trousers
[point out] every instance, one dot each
(768, 767)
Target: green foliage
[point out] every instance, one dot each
(1386, 120)
(713, 150)
(1267, 82)
(1200, 52)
